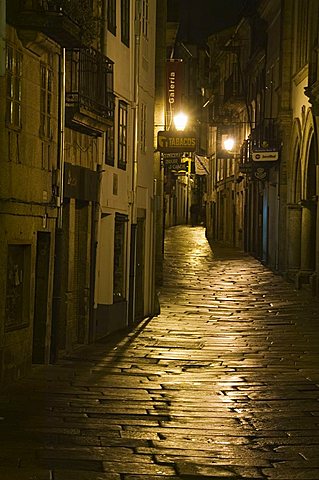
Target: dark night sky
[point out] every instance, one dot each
(199, 18)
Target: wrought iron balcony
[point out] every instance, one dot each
(89, 101)
(245, 152)
(262, 145)
(54, 18)
(265, 136)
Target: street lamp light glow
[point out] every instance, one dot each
(180, 121)
(229, 144)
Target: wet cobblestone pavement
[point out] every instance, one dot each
(224, 384)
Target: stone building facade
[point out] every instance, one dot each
(263, 195)
(77, 89)
(125, 287)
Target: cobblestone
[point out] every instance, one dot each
(224, 383)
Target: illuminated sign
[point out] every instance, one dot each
(171, 161)
(265, 156)
(168, 142)
(174, 73)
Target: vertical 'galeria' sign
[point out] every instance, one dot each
(174, 86)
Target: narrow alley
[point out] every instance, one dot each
(224, 383)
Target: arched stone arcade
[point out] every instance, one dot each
(303, 202)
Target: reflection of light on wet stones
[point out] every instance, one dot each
(222, 384)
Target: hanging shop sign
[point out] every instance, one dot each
(170, 158)
(172, 162)
(179, 167)
(261, 173)
(80, 183)
(174, 78)
(174, 142)
(175, 162)
(265, 156)
(201, 165)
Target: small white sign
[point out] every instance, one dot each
(265, 156)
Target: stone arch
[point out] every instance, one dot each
(295, 169)
(308, 196)
(308, 157)
(294, 210)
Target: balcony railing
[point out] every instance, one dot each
(264, 139)
(54, 18)
(89, 90)
(265, 135)
(245, 152)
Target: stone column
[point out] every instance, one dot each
(308, 236)
(314, 278)
(294, 237)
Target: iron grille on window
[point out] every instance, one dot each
(89, 82)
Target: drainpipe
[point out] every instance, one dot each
(135, 104)
(61, 128)
(57, 301)
(132, 263)
(2, 37)
(95, 223)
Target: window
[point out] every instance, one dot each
(122, 135)
(145, 18)
(302, 32)
(143, 128)
(111, 16)
(125, 22)
(109, 146)
(119, 258)
(13, 94)
(45, 101)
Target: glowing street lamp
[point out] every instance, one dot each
(180, 121)
(228, 144)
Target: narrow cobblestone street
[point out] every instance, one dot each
(223, 384)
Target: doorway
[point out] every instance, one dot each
(140, 253)
(41, 297)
